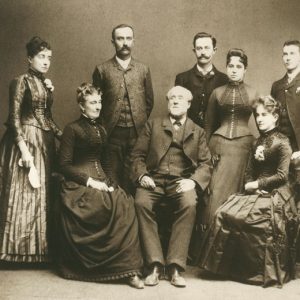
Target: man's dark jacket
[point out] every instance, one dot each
(154, 142)
(113, 80)
(289, 94)
(201, 88)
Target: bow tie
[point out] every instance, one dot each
(90, 121)
(178, 123)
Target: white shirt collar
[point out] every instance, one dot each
(182, 120)
(124, 63)
(204, 72)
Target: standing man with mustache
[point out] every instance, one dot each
(203, 78)
(127, 100)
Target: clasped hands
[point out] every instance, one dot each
(184, 185)
(252, 187)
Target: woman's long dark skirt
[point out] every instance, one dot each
(99, 234)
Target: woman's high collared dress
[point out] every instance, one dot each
(230, 140)
(99, 230)
(23, 209)
(252, 236)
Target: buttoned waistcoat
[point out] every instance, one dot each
(113, 81)
(154, 142)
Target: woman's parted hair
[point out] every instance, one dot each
(36, 45)
(237, 52)
(86, 89)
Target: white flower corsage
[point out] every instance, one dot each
(49, 84)
(298, 90)
(259, 153)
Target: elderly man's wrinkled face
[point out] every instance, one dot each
(178, 104)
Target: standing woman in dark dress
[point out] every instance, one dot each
(228, 134)
(99, 227)
(26, 158)
(250, 238)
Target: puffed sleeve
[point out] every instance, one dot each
(281, 175)
(66, 157)
(17, 90)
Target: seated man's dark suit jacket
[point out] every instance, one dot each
(154, 142)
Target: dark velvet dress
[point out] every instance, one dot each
(24, 210)
(250, 238)
(99, 230)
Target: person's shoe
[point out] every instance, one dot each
(176, 279)
(136, 282)
(153, 278)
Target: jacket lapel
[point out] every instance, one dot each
(282, 83)
(188, 129)
(295, 81)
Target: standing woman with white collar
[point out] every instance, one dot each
(26, 157)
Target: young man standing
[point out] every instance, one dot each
(203, 78)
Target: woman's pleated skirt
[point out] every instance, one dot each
(23, 209)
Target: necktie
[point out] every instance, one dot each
(178, 123)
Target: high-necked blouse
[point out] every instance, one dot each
(272, 170)
(83, 152)
(30, 103)
(229, 110)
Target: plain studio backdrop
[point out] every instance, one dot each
(79, 32)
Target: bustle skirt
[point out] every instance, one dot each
(252, 238)
(99, 234)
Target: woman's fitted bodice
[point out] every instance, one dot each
(229, 110)
(82, 153)
(30, 104)
(271, 171)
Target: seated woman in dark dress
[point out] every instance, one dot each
(99, 226)
(248, 239)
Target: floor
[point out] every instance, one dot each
(44, 284)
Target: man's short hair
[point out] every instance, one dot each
(292, 42)
(185, 92)
(120, 26)
(200, 35)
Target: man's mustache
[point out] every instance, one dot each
(203, 56)
(125, 48)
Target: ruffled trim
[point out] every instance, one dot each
(99, 278)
